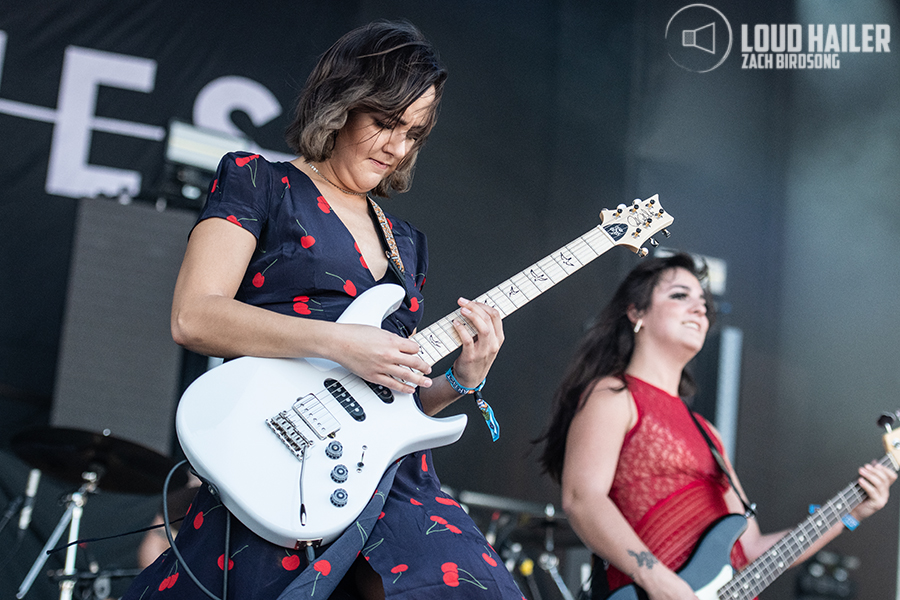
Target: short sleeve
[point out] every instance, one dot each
(240, 192)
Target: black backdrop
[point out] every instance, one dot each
(554, 110)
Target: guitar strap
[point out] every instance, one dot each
(717, 456)
(393, 255)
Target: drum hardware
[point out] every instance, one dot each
(86, 458)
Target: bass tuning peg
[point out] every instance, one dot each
(887, 420)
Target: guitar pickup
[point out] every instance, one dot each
(345, 399)
(316, 416)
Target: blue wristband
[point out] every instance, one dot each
(849, 522)
(458, 387)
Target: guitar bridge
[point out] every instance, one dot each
(309, 411)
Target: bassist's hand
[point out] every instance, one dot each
(875, 480)
(665, 584)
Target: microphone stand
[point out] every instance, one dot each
(72, 517)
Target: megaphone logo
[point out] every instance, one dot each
(703, 38)
(695, 37)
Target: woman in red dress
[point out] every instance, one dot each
(639, 481)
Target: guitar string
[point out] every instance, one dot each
(584, 250)
(787, 550)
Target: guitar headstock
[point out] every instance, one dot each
(892, 437)
(635, 224)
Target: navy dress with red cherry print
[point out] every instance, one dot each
(421, 542)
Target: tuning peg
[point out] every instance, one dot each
(641, 252)
(666, 232)
(887, 421)
(654, 243)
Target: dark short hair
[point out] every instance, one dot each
(381, 67)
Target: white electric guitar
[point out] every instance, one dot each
(296, 447)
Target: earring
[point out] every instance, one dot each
(637, 326)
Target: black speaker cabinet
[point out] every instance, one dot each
(118, 368)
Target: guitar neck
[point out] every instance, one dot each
(440, 338)
(776, 560)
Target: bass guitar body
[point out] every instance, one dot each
(709, 567)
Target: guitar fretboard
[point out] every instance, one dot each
(440, 338)
(776, 560)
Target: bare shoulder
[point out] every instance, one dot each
(609, 403)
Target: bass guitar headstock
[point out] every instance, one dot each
(633, 225)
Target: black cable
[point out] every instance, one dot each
(111, 537)
(227, 553)
(171, 539)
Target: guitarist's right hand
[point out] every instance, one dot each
(661, 583)
(380, 357)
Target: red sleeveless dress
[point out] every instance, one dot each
(667, 484)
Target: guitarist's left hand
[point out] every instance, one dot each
(478, 354)
(876, 481)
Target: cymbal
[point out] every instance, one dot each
(121, 466)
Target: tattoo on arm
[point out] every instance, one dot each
(644, 559)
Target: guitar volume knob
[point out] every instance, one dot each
(339, 497)
(339, 474)
(334, 450)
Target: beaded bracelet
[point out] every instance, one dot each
(458, 387)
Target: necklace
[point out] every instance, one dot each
(319, 173)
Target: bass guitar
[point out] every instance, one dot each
(296, 447)
(709, 571)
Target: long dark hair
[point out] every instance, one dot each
(606, 350)
(381, 67)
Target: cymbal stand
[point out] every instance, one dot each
(71, 518)
(548, 561)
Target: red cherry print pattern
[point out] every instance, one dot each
(452, 578)
(215, 183)
(488, 559)
(322, 567)
(349, 286)
(398, 570)
(451, 574)
(302, 307)
(415, 502)
(323, 205)
(236, 221)
(291, 562)
(221, 563)
(245, 161)
(454, 529)
(424, 463)
(306, 240)
(198, 520)
(362, 260)
(260, 278)
(287, 185)
(414, 304)
(168, 582)
(447, 501)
